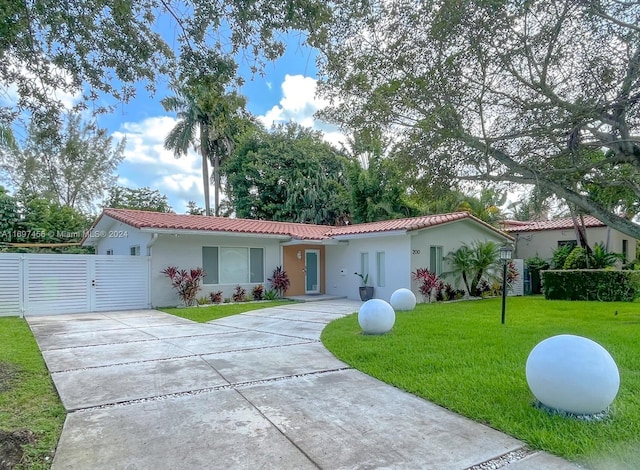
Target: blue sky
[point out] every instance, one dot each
(285, 92)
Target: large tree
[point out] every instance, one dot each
(511, 91)
(145, 199)
(102, 47)
(72, 163)
(289, 174)
(209, 119)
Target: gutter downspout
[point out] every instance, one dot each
(154, 238)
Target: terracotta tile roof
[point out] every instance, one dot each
(167, 221)
(159, 220)
(554, 224)
(414, 223)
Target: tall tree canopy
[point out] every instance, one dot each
(72, 163)
(511, 91)
(145, 199)
(289, 174)
(209, 119)
(109, 46)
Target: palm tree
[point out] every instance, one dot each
(208, 119)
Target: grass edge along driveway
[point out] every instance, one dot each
(28, 398)
(459, 356)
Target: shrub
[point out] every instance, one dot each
(578, 259)
(560, 256)
(591, 284)
(204, 300)
(240, 294)
(187, 283)
(428, 282)
(258, 292)
(279, 281)
(270, 295)
(535, 265)
(216, 297)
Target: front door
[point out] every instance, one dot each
(312, 271)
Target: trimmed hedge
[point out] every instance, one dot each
(591, 284)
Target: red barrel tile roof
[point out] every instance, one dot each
(168, 221)
(554, 224)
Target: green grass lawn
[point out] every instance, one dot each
(460, 356)
(213, 312)
(28, 399)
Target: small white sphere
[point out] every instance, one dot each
(376, 317)
(572, 374)
(403, 300)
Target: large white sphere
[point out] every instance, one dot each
(376, 317)
(572, 374)
(403, 300)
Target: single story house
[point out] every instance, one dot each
(541, 238)
(319, 259)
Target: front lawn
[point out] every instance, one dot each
(213, 312)
(29, 402)
(460, 356)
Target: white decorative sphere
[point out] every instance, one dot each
(572, 374)
(403, 300)
(376, 317)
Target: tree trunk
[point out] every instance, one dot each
(216, 183)
(205, 168)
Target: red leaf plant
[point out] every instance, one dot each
(187, 283)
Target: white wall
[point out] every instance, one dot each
(343, 260)
(450, 236)
(543, 243)
(120, 237)
(185, 251)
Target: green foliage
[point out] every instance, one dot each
(560, 255)
(577, 259)
(591, 284)
(209, 119)
(601, 258)
(459, 356)
(56, 47)
(535, 265)
(271, 295)
(474, 265)
(8, 215)
(68, 161)
(469, 102)
(145, 199)
(289, 174)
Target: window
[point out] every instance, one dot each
(232, 265)
(435, 259)
(134, 250)
(210, 264)
(364, 264)
(567, 242)
(380, 267)
(625, 249)
(110, 251)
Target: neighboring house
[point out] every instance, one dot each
(542, 238)
(319, 259)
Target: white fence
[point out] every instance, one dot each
(46, 284)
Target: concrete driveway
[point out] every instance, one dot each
(147, 390)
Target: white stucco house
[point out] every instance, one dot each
(319, 259)
(541, 238)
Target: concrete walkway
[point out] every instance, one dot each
(147, 390)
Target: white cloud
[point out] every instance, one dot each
(299, 103)
(148, 163)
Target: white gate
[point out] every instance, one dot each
(46, 284)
